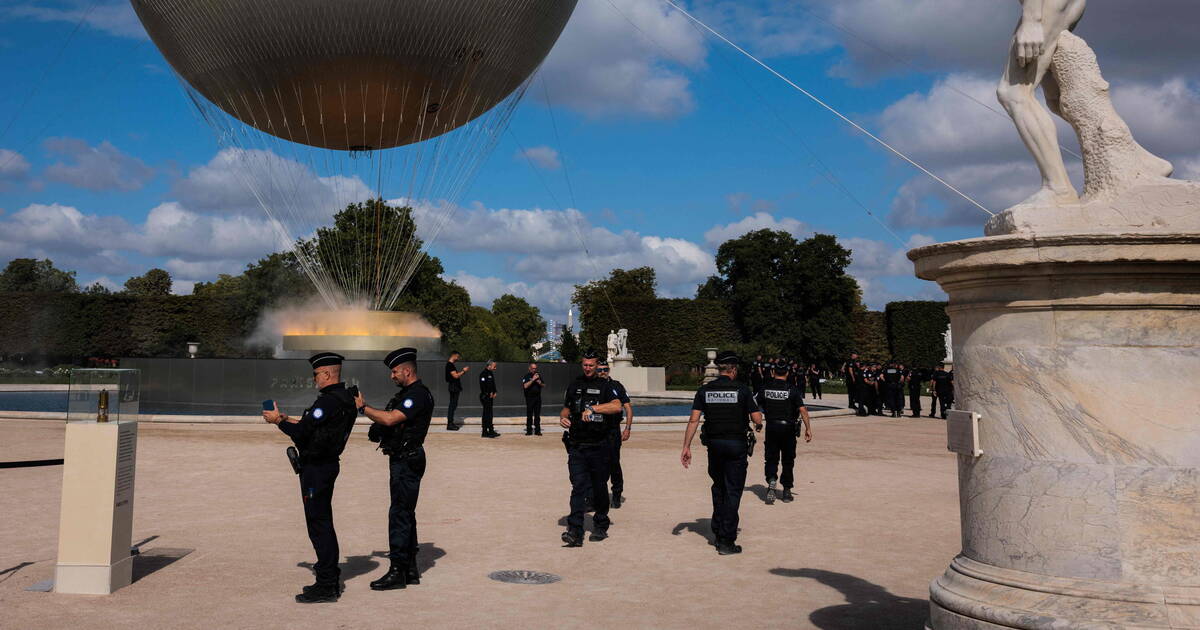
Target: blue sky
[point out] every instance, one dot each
(672, 141)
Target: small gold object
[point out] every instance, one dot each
(102, 412)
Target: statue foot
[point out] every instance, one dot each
(1049, 197)
(1156, 165)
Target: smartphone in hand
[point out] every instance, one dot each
(268, 405)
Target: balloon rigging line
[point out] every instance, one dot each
(912, 65)
(41, 80)
(829, 108)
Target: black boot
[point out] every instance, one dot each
(787, 495)
(616, 500)
(393, 579)
(412, 575)
(598, 535)
(572, 539)
(728, 548)
(319, 593)
(537, 431)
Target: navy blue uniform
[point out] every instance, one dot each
(781, 403)
(893, 389)
(614, 431)
(320, 436)
(487, 387)
(533, 402)
(726, 405)
(916, 377)
(454, 387)
(405, 446)
(588, 452)
(943, 386)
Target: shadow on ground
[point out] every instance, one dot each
(869, 606)
(148, 562)
(354, 566)
(700, 526)
(11, 571)
(759, 491)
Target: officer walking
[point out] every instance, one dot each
(532, 385)
(851, 371)
(487, 398)
(782, 405)
(616, 434)
(320, 435)
(400, 429)
(728, 408)
(589, 449)
(943, 387)
(454, 387)
(757, 375)
(893, 391)
(915, 378)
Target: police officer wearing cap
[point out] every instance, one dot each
(400, 429)
(782, 403)
(728, 407)
(915, 378)
(532, 385)
(616, 434)
(943, 388)
(487, 398)
(589, 449)
(892, 388)
(320, 435)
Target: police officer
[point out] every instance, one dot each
(851, 371)
(400, 429)
(616, 434)
(782, 403)
(915, 378)
(589, 449)
(454, 387)
(320, 435)
(892, 388)
(864, 387)
(943, 386)
(814, 380)
(532, 385)
(728, 407)
(757, 375)
(487, 398)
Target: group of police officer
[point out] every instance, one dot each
(798, 374)
(531, 387)
(873, 386)
(593, 408)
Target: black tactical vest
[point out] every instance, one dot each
(777, 402)
(581, 393)
(329, 435)
(725, 416)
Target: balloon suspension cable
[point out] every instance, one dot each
(829, 108)
(573, 218)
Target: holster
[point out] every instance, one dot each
(294, 459)
(750, 441)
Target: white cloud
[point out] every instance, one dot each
(102, 167)
(172, 230)
(620, 58)
(551, 297)
(879, 266)
(14, 168)
(757, 221)
(543, 157)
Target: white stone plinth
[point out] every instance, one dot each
(1081, 353)
(96, 521)
(640, 380)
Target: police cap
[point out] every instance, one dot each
(325, 358)
(782, 366)
(727, 357)
(590, 354)
(401, 355)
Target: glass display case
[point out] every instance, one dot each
(104, 395)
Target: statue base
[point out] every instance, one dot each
(621, 361)
(640, 380)
(1080, 354)
(1154, 205)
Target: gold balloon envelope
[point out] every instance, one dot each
(354, 74)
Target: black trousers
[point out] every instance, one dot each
(946, 400)
(588, 465)
(405, 486)
(914, 401)
(489, 405)
(815, 385)
(533, 413)
(727, 468)
(894, 397)
(780, 444)
(452, 407)
(316, 490)
(615, 473)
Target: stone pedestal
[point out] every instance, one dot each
(1081, 353)
(640, 380)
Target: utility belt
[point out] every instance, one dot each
(404, 452)
(299, 461)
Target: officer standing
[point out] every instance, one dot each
(320, 435)
(893, 391)
(728, 408)
(487, 398)
(756, 373)
(851, 371)
(943, 386)
(454, 387)
(864, 387)
(400, 429)
(782, 404)
(532, 385)
(915, 378)
(589, 449)
(616, 434)
(814, 380)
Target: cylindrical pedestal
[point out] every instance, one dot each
(96, 523)
(1081, 353)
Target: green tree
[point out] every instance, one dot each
(36, 276)
(484, 337)
(522, 320)
(275, 278)
(156, 282)
(569, 347)
(96, 288)
(598, 296)
(914, 331)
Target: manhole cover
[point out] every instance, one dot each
(524, 577)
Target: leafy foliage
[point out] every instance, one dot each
(154, 283)
(669, 332)
(915, 330)
(569, 347)
(485, 337)
(264, 283)
(870, 336)
(597, 297)
(29, 274)
(521, 320)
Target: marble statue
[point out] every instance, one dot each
(623, 343)
(949, 342)
(612, 346)
(1045, 52)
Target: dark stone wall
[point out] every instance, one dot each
(238, 386)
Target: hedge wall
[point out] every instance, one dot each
(914, 331)
(664, 332)
(69, 327)
(870, 336)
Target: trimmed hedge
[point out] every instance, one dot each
(70, 327)
(664, 332)
(914, 331)
(870, 336)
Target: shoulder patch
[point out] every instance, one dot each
(318, 413)
(408, 403)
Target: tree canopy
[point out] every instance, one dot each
(153, 283)
(600, 295)
(522, 320)
(36, 276)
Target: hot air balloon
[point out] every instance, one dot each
(322, 103)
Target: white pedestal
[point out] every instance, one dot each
(640, 380)
(96, 521)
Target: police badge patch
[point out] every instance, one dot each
(317, 413)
